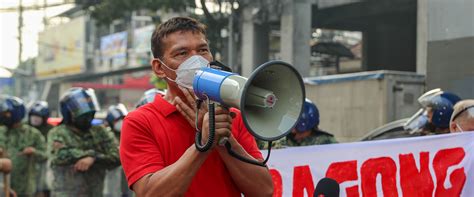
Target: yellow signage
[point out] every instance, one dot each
(62, 49)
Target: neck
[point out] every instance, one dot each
(74, 129)
(173, 92)
(301, 135)
(16, 125)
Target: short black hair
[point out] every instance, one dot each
(173, 25)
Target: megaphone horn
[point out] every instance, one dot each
(270, 100)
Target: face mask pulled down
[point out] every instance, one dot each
(186, 70)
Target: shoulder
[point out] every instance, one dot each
(59, 129)
(49, 127)
(318, 132)
(30, 129)
(323, 137)
(3, 129)
(101, 131)
(141, 115)
(143, 118)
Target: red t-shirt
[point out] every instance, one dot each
(156, 135)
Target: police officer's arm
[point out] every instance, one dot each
(108, 155)
(61, 153)
(2, 142)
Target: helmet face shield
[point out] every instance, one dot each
(148, 97)
(116, 112)
(40, 108)
(417, 122)
(439, 106)
(4, 107)
(436, 102)
(81, 102)
(12, 110)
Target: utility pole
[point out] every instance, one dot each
(20, 31)
(45, 17)
(230, 40)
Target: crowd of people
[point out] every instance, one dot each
(151, 150)
(79, 154)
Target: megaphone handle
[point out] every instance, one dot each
(212, 131)
(247, 160)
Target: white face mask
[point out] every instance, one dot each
(118, 126)
(459, 128)
(186, 70)
(36, 120)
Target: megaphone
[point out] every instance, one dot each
(270, 100)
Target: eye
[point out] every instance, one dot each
(203, 50)
(181, 54)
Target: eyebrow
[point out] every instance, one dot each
(203, 45)
(179, 48)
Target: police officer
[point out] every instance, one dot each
(23, 144)
(115, 182)
(81, 153)
(433, 117)
(307, 131)
(38, 118)
(149, 96)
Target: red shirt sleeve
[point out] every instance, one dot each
(243, 136)
(139, 152)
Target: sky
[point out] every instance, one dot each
(32, 25)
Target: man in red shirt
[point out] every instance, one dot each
(157, 148)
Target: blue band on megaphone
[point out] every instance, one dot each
(207, 83)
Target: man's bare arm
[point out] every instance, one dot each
(252, 180)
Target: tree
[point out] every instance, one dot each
(106, 11)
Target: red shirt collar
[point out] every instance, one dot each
(163, 106)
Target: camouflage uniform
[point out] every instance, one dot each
(41, 182)
(44, 129)
(98, 143)
(13, 141)
(317, 137)
(263, 145)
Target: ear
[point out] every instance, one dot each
(452, 127)
(156, 66)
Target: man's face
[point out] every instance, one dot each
(178, 47)
(4, 117)
(429, 114)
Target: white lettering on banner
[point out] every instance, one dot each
(441, 165)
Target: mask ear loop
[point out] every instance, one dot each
(460, 128)
(167, 67)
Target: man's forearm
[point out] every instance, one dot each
(252, 180)
(173, 180)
